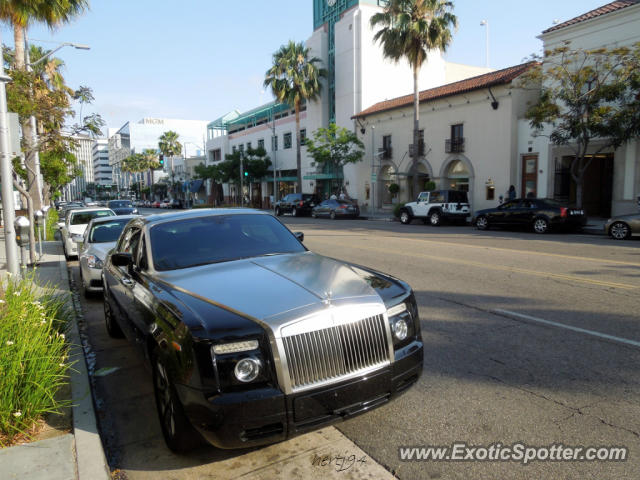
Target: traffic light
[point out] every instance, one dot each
(161, 160)
(246, 174)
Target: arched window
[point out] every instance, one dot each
(458, 176)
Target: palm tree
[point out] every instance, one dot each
(19, 13)
(150, 161)
(411, 29)
(170, 147)
(83, 95)
(294, 78)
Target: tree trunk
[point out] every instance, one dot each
(25, 122)
(416, 131)
(298, 153)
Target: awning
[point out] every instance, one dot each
(280, 179)
(324, 176)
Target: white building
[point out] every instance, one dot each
(358, 77)
(612, 181)
(83, 151)
(101, 168)
(135, 137)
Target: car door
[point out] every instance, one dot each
(527, 211)
(422, 203)
(503, 215)
(323, 209)
(122, 285)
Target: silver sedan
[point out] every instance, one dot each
(623, 226)
(101, 236)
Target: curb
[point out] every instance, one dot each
(91, 462)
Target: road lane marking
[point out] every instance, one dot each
(458, 261)
(626, 341)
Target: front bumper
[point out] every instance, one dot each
(266, 415)
(92, 277)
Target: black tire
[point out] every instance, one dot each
(619, 231)
(540, 225)
(113, 329)
(405, 217)
(482, 223)
(332, 215)
(314, 214)
(294, 212)
(435, 219)
(278, 212)
(178, 433)
(83, 286)
(64, 250)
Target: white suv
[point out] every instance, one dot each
(75, 224)
(437, 206)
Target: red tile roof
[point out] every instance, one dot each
(499, 77)
(608, 8)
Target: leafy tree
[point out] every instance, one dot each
(410, 29)
(294, 78)
(589, 102)
(336, 147)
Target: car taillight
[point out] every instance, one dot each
(342, 207)
(563, 212)
(301, 203)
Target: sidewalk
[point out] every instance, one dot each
(72, 456)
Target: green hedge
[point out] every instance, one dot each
(33, 355)
(396, 209)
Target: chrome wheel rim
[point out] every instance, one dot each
(404, 217)
(435, 219)
(619, 231)
(482, 223)
(165, 401)
(540, 225)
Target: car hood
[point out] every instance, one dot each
(100, 250)
(277, 288)
(77, 229)
(123, 210)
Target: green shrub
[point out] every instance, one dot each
(33, 355)
(429, 186)
(52, 223)
(396, 209)
(394, 188)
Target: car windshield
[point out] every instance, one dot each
(120, 204)
(219, 238)
(83, 218)
(104, 232)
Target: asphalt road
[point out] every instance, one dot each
(493, 372)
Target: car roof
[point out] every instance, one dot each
(90, 209)
(113, 218)
(197, 213)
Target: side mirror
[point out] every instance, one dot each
(122, 259)
(60, 225)
(299, 236)
(76, 238)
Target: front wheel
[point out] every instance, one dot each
(540, 225)
(332, 215)
(620, 231)
(405, 218)
(482, 223)
(113, 329)
(294, 212)
(435, 219)
(314, 214)
(178, 433)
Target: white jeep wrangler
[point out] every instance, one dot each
(437, 206)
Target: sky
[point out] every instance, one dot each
(199, 59)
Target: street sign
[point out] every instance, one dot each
(374, 177)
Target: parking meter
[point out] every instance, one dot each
(21, 225)
(39, 220)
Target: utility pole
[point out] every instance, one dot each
(241, 179)
(8, 207)
(275, 153)
(374, 177)
(34, 131)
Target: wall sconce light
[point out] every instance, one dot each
(347, 182)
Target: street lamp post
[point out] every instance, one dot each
(241, 179)
(8, 207)
(485, 23)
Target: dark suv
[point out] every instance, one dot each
(296, 204)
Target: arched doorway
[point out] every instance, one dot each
(386, 177)
(457, 176)
(424, 175)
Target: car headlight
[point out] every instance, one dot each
(135, 210)
(235, 347)
(400, 329)
(94, 262)
(401, 322)
(247, 369)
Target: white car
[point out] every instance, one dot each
(75, 224)
(101, 236)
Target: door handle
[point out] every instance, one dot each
(127, 282)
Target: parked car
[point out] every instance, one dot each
(436, 207)
(252, 338)
(166, 203)
(623, 226)
(101, 235)
(75, 224)
(156, 204)
(336, 209)
(122, 207)
(296, 204)
(540, 214)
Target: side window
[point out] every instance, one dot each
(124, 240)
(437, 197)
(129, 242)
(423, 197)
(142, 261)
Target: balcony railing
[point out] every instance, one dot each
(420, 149)
(454, 145)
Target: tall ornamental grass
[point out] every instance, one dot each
(33, 355)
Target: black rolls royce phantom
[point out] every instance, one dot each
(251, 337)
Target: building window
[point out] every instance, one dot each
(287, 140)
(217, 155)
(241, 147)
(303, 136)
(386, 147)
(274, 143)
(261, 143)
(456, 143)
(233, 149)
(248, 146)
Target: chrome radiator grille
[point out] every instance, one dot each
(338, 351)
